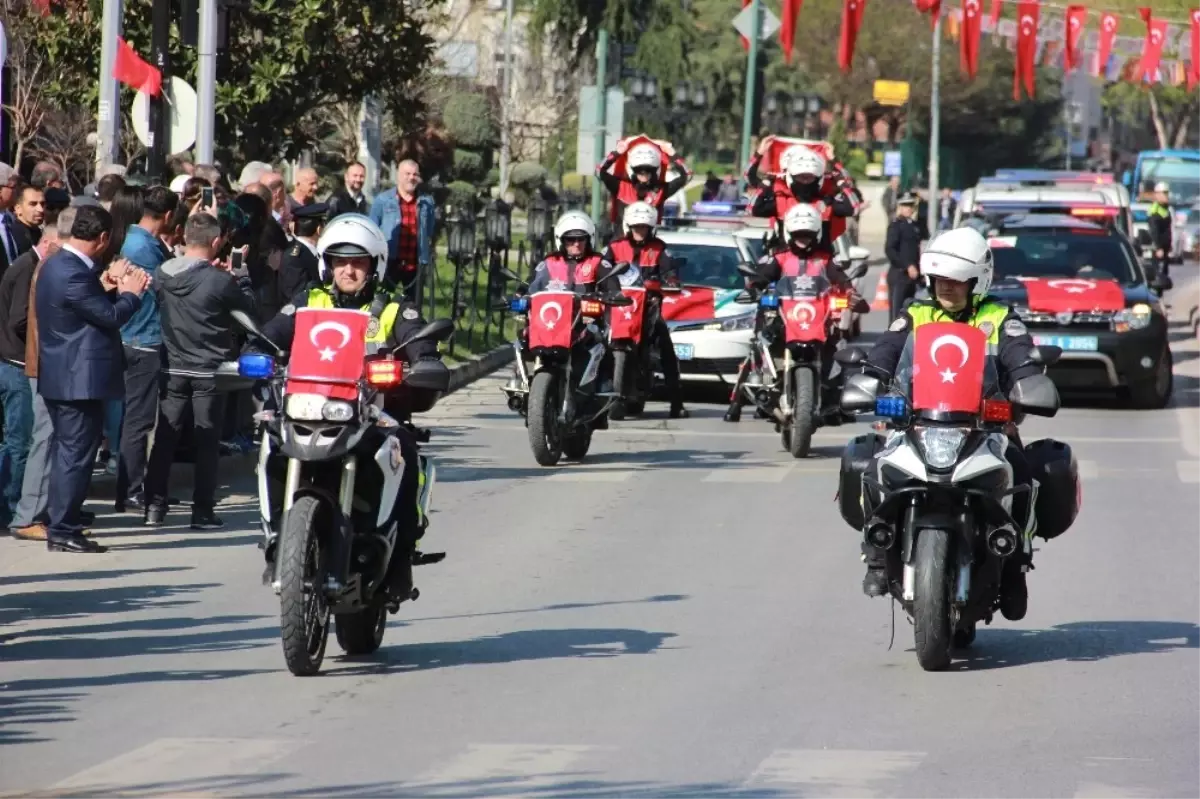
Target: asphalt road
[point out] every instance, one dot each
(680, 616)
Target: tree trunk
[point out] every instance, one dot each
(1181, 132)
(1155, 114)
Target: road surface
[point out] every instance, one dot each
(680, 616)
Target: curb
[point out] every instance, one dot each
(464, 374)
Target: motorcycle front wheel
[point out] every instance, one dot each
(798, 434)
(360, 633)
(303, 612)
(545, 437)
(931, 600)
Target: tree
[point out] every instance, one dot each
(28, 66)
(63, 141)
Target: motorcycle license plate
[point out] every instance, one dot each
(684, 351)
(1070, 343)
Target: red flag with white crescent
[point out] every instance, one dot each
(969, 40)
(689, 304)
(995, 15)
(1027, 26)
(1058, 295)
(551, 318)
(1152, 47)
(625, 321)
(931, 7)
(787, 29)
(852, 15)
(1076, 20)
(948, 366)
(1108, 35)
(804, 319)
(328, 350)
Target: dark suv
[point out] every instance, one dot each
(1081, 287)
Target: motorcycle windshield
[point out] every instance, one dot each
(946, 369)
(329, 347)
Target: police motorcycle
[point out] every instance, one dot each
(329, 472)
(805, 313)
(562, 397)
(935, 492)
(631, 331)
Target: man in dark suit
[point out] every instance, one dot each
(301, 266)
(81, 362)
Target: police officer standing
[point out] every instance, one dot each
(903, 251)
(300, 266)
(1159, 223)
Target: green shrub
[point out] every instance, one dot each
(461, 194)
(468, 120)
(468, 166)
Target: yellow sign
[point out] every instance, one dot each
(891, 92)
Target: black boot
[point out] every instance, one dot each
(875, 583)
(734, 414)
(1014, 591)
(678, 411)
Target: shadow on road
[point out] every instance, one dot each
(109, 574)
(562, 606)
(60, 643)
(1077, 641)
(512, 647)
(48, 603)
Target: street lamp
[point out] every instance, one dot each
(799, 105)
(700, 97)
(637, 87)
(460, 240)
(814, 104)
(772, 105)
(497, 225)
(652, 87)
(540, 219)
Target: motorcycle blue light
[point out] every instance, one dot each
(891, 407)
(258, 367)
(519, 305)
(768, 301)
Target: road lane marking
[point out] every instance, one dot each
(517, 769)
(187, 763)
(1099, 790)
(587, 475)
(1088, 470)
(754, 474)
(837, 772)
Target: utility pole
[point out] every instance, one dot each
(206, 82)
(506, 101)
(160, 113)
(751, 88)
(935, 121)
(108, 111)
(601, 114)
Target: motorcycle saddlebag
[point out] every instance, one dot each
(856, 459)
(1060, 492)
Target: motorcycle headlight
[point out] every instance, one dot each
(337, 411)
(940, 445)
(315, 408)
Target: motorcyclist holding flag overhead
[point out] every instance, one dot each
(643, 181)
(353, 256)
(804, 181)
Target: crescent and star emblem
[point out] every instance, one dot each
(1196, 15)
(327, 353)
(1072, 286)
(631, 309)
(1155, 36)
(1110, 23)
(1027, 24)
(558, 312)
(809, 314)
(954, 341)
(972, 7)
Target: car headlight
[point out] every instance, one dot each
(316, 408)
(1135, 318)
(743, 322)
(940, 445)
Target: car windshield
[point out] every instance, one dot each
(1181, 174)
(1063, 253)
(1193, 217)
(902, 380)
(756, 247)
(712, 265)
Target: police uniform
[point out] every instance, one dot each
(300, 266)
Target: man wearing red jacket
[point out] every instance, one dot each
(806, 179)
(643, 164)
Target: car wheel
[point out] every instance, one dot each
(1155, 392)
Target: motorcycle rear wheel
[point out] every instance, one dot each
(545, 437)
(360, 633)
(575, 445)
(303, 612)
(798, 434)
(931, 601)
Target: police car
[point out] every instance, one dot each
(1080, 286)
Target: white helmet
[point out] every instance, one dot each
(352, 236)
(1163, 186)
(961, 254)
(643, 155)
(803, 218)
(572, 222)
(178, 182)
(640, 213)
(800, 160)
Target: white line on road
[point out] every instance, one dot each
(151, 770)
(836, 772)
(524, 769)
(759, 474)
(586, 475)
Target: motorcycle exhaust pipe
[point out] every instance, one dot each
(1002, 542)
(880, 536)
(515, 402)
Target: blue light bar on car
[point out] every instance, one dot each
(714, 208)
(891, 407)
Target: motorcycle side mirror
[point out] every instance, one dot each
(850, 356)
(1035, 395)
(744, 298)
(511, 275)
(860, 391)
(748, 269)
(250, 326)
(437, 330)
(430, 375)
(1045, 354)
(618, 269)
(859, 253)
(618, 300)
(856, 270)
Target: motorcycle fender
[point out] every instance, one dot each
(390, 459)
(905, 458)
(264, 490)
(521, 365)
(593, 367)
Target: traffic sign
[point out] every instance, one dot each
(891, 92)
(181, 98)
(770, 23)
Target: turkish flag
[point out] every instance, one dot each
(787, 30)
(551, 319)
(1194, 73)
(1073, 294)
(852, 14)
(1152, 47)
(948, 365)
(1027, 26)
(804, 319)
(995, 13)
(690, 304)
(931, 7)
(772, 162)
(625, 321)
(745, 41)
(328, 349)
(1076, 20)
(969, 41)
(130, 69)
(1108, 34)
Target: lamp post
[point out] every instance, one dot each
(460, 247)
(497, 225)
(539, 228)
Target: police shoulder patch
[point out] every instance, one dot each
(373, 327)
(988, 328)
(410, 313)
(288, 309)
(900, 323)
(1014, 327)
(295, 249)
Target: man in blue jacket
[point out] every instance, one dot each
(142, 340)
(80, 363)
(407, 222)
